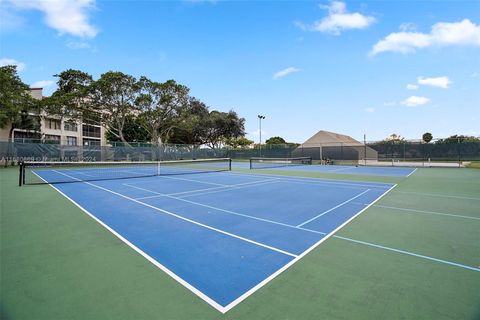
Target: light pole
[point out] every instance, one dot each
(260, 117)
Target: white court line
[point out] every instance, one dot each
(183, 218)
(193, 180)
(219, 209)
(74, 172)
(410, 253)
(320, 184)
(331, 209)
(427, 212)
(408, 175)
(335, 170)
(399, 251)
(321, 180)
(252, 290)
(285, 267)
(172, 194)
(232, 188)
(438, 195)
(271, 277)
(200, 191)
(186, 284)
(184, 179)
(354, 240)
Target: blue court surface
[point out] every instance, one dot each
(362, 170)
(222, 235)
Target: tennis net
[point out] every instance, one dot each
(262, 163)
(64, 172)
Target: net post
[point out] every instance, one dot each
(250, 163)
(158, 168)
(230, 164)
(20, 173)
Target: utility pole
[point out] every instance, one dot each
(260, 118)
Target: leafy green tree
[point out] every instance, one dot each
(132, 132)
(222, 126)
(114, 97)
(160, 105)
(427, 137)
(458, 139)
(275, 140)
(16, 103)
(241, 142)
(71, 99)
(191, 126)
(394, 139)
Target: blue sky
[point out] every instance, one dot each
(353, 67)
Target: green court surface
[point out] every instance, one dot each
(415, 254)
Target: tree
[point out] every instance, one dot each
(459, 139)
(276, 140)
(133, 131)
(159, 104)
(114, 98)
(394, 139)
(191, 127)
(427, 137)
(222, 126)
(71, 99)
(16, 103)
(241, 142)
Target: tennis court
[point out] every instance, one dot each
(335, 169)
(220, 234)
(201, 241)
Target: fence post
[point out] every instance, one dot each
(365, 149)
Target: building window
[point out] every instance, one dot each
(70, 126)
(91, 142)
(91, 131)
(26, 137)
(71, 141)
(53, 124)
(52, 139)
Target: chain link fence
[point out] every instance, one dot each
(371, 152)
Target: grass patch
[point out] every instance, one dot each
(474, 165)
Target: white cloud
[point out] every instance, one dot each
(77, 45)
(442, 34)
(300, 25)
(9, 18)
(339, 19)
(42, 84)
(65, 16)
(412, 86)
(389, 103)
(415, 101)
(370, 110)
(10, 62)
(408, 26)
(440, 82)
(285, 72)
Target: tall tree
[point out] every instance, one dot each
(16, 103)
(221, 126)
(72, 98)
(427, 137)
(192, 123)
(159, 105)
(241, 142)
(275, 140)
(114, 97)
(458, 139)
(132, 132)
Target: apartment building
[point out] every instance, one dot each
(56, 130)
